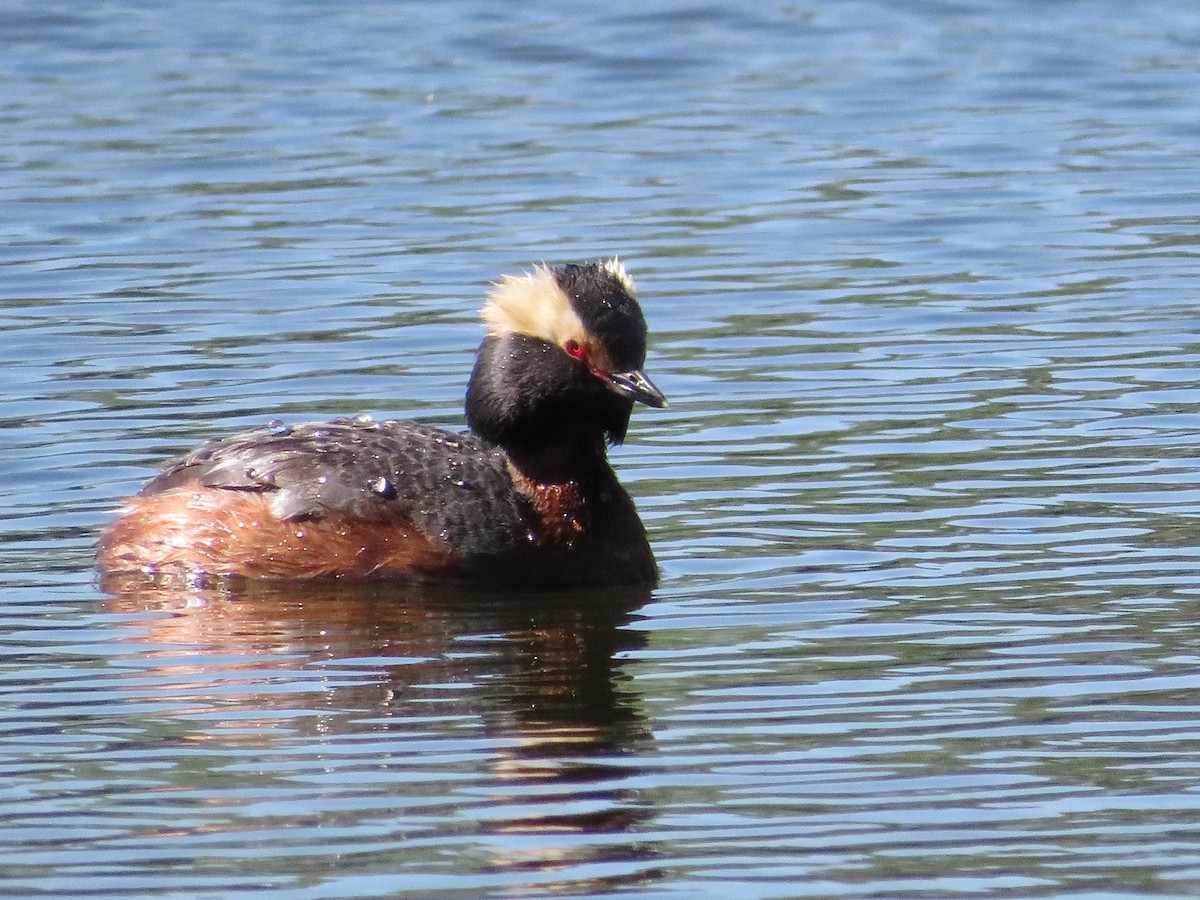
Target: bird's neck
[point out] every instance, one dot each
(578, 503)
(579, 459)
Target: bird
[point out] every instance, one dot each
(525, 498)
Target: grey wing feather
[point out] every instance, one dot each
(443, 482)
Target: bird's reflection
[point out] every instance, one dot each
(539, 672)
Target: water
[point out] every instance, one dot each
(920, 280)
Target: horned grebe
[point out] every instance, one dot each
(525, 498)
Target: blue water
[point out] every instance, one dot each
(921, 286)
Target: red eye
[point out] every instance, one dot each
(574, 349)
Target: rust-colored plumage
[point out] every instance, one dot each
(203, 529)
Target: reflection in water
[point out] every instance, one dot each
(535, 673)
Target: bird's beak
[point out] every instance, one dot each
(634, 385)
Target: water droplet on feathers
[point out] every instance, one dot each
(383, 487)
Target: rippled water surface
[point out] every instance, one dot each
(921, 279)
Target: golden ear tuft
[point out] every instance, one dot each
(616, 269)
(532, 303)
